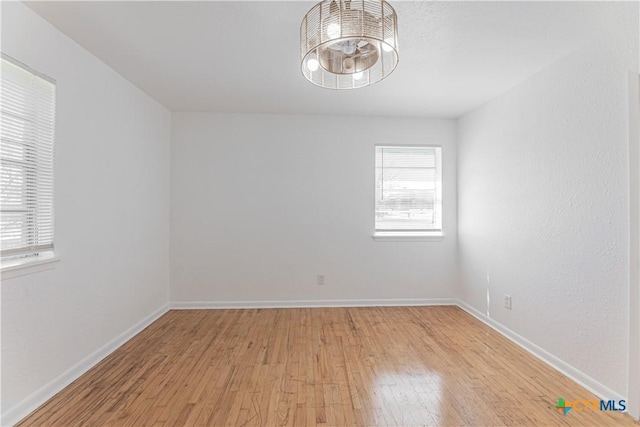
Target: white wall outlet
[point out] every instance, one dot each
(320, 279)
(507, 301)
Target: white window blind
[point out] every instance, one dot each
(408, 189)
(27, 128)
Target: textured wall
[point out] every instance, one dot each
(543, 206)
(634, 226)
(261, 204)
(112, 214)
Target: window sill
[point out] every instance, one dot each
(408, 237)
(24, 266)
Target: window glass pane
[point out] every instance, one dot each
(27, 129)
(408, 188)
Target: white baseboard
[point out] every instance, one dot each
(600, 390)
(209, 305)
(31, 403)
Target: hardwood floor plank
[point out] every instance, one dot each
(403, 366)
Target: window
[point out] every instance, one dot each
(27, 127)
(408, 191)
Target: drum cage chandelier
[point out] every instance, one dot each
(349, 44)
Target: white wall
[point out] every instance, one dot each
(112, 216)
(544, 207)
(634, 255)
(261, 204)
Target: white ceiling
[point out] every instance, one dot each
(244, 56)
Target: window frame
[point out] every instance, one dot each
(406, 236)
(38, 253)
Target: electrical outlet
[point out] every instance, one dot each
(507, 301)
(320, 279)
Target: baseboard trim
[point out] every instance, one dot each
(31, 403)
(218, 305)
(600, 390)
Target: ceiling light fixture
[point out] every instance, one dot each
(347, 44)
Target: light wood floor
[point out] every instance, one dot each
(323, 366)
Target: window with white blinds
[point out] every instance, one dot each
(408, 189)
(27, 130)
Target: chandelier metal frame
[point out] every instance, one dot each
(348, 44)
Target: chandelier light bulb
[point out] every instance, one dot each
(333, 30)
(312, 64)
(358, 75)
(387, 46)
